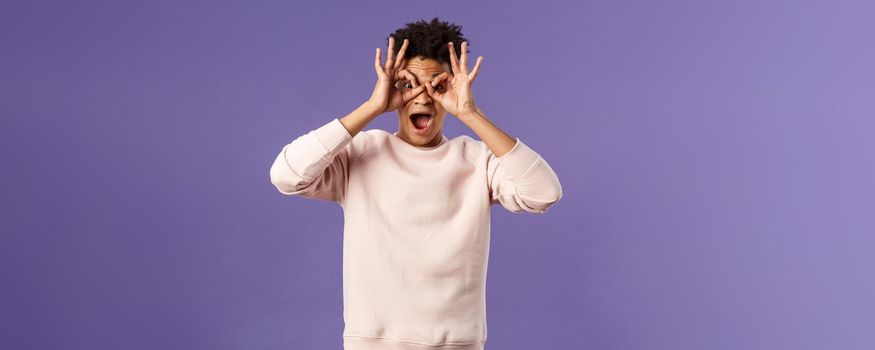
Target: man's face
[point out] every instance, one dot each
(424, 69)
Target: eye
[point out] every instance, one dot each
(403, 85)
(439, 87)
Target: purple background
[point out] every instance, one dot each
(716, 161)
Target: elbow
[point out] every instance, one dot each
(534, 203)
(280, 183)
(284, 179)
(555, 193)
(539, 207)
(542, 204)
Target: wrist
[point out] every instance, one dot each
(470, 114)
(371, 109)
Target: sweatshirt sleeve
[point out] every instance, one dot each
(315, 165)
(520, 180)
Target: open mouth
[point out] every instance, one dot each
(421, 122)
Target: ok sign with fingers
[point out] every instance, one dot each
(458, 98)
(387, 95)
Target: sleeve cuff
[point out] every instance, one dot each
(518, 160)
(333, 136)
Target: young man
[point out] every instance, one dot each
(416, 205)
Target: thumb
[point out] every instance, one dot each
(431, 91)
(409, 95)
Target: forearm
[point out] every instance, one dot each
(498, 141)
(356, 120)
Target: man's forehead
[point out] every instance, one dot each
(426, 68)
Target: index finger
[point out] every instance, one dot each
(406, 74)
(463, 63)
(454, 64)
(390, 55)
(401, 53)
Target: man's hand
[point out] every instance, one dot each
(458, 98)
(406, 88)
(387, 96)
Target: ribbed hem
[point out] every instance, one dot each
(519, 160)
(351, 342)
(333, 136)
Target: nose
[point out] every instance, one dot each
(422, 98)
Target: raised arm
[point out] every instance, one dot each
(316, 164)
(517, 176)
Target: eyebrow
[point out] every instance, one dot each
(432, 76)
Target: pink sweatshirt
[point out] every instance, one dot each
(416, 227)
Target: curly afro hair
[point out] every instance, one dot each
(429, 39)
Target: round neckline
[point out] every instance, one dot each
(444, 140)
